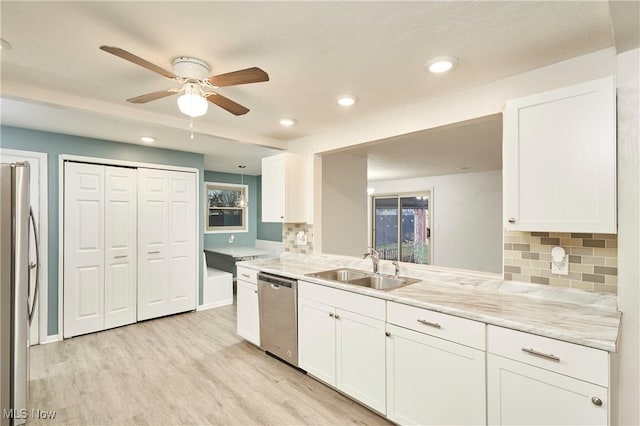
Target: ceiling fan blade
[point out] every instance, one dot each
(226, 103)
(249, 75)
(143, 99)
(137, 60)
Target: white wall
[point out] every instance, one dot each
(466, 217)
(628, 359)
(344, 204)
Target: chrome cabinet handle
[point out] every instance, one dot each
(32, 265)
(337, 316)
(245, 275)
(388, 334)
(512, 220)
(429, 323)
(532, 351)
(331, 314)
(596, 401)
(255, 291)
(120, 257)
(154, 252)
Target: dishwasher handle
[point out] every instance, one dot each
(276, 281)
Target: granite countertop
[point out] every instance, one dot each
(576, 316)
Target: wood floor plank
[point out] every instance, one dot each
(184, 369)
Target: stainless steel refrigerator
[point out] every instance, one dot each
(17, 292)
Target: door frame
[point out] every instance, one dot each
(113, 162)
(43, 222)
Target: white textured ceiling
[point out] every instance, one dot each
(313, 52)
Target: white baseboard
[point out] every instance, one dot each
(215, 304)
(50, 339)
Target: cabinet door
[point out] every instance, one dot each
(153, 244)
(120, 246)
(360, 358)
(317, 340)
(248, 318)
(560, 160)
(273, 189)
(521, 394)
(432, 381)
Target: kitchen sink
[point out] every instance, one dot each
(364, 279)
(342, 274)
(383, 282)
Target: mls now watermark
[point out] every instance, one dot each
(23, 414)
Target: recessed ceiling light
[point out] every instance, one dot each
(347, 100)
(4, 44)
(147, 139)
(441, 64)
(288, 122)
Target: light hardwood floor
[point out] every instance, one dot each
(183, 369)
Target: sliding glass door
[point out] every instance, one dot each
(401, 228)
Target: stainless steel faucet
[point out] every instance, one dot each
(373, 254)
(397, 265)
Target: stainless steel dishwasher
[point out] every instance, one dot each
(278, 305)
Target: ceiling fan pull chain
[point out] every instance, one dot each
(191, 127)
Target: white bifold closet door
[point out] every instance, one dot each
(167, 245)
(99, 247)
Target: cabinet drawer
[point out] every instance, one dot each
(449, 327)
(360, 304)
(249, 275)
(581, 362)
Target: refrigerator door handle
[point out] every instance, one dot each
(32, 308)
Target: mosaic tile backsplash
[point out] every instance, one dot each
(593, 259)
(289, 231)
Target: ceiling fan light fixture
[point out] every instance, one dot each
(347, 100)
(441, 64)
(191, 102)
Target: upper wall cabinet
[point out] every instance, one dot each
(560, 160)
(284, 178)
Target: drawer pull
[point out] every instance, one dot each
(337, 316)
(596, 401)
(512, 220)
(331, 314)
(532, 351)
(120, 257)
(388, 334)
(245, 275)
(429, 323)
(154, 252)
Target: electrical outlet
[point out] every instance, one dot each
(301, 238)
(560, 268)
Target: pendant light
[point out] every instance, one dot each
(241, 201)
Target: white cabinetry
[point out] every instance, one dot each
(284, 179)
(167, 276)
(99, 247)
(248, 318)
(537, 380)
(434, 375)
(341, 341)
(560, 160)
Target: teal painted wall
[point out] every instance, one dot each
(266, 230)
(55, 144)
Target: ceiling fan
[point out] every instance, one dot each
(198, 86)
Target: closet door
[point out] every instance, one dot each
(83, 248)
(183, 279)
(153, 243)
(120, 246)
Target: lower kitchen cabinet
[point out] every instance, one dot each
(432, 381)
(537, 380)
(343, 348)
(248, 326)
(521, 394)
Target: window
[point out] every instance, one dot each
(401, 227)
(223, 211)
